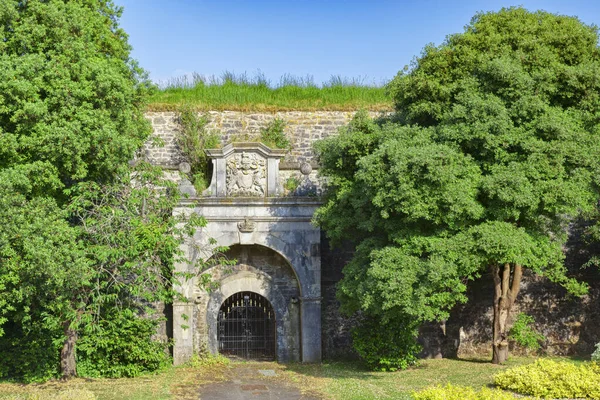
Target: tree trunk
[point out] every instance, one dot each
(507, 282)
(68, 365)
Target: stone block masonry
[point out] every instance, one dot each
(303, 129)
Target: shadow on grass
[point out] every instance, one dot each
(335, 369)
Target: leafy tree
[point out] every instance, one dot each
(490, 155)
(81, 233)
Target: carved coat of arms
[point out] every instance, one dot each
(246, 175)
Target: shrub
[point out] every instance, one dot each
(193, 139)
(30, 355)
(124, 347)
(386, 347)
(291, 184)
(524, 333)
(273, 136)
(552, 379)
(450, 392)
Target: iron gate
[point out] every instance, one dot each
(246, 327)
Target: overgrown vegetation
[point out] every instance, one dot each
(122, 346)
(193, 139)
(273, 135)
(386, 347)
(291, 184)
(451, 392)
(88, 242)
(552, 380)
(241, 93)
(524, 334)
(491, 154)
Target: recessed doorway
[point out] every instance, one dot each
(246, 327)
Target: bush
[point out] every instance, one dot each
(461, 393)
(193, 138)
(123, 347)
(552, 379)
(30, 355)
(386, 347)
(273, 136)
(524, 333)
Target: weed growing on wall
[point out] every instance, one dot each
(193, 139)
(291, 184)
(273, 135)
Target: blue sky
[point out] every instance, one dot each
(369, 39)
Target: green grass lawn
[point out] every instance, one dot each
(330, 380)
(173, 383)
(239, 93)
(346, 381)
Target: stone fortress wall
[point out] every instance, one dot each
(303, 128)
(571, 325)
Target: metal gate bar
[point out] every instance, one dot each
(246, 327)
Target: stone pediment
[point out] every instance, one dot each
(244, 170)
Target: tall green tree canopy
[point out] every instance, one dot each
(70, 95)
(78, 235)
(492, 151)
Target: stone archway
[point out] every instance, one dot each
(239, 214)
(259, 270)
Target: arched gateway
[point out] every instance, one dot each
(277, 267)
(246, 327)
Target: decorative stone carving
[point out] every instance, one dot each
(305, 168)
(185, 186)
(185, 167)
(246, 175)
(244, 170)
(246, 226)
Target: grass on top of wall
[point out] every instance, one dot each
(241, 93)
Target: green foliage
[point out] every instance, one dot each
(596, 354)
(490, 155)
(386, 346)
(272, 135)
(451, 392)
(30, 352)
(193, 139)
(82, 232)
(552, 379)
(98, 274)
(524, 334)
(242, 93)
(121, 346)
(291, 184)
(71, 98)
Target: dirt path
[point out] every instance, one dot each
(256, 381)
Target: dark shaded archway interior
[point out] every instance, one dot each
(246, 327)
